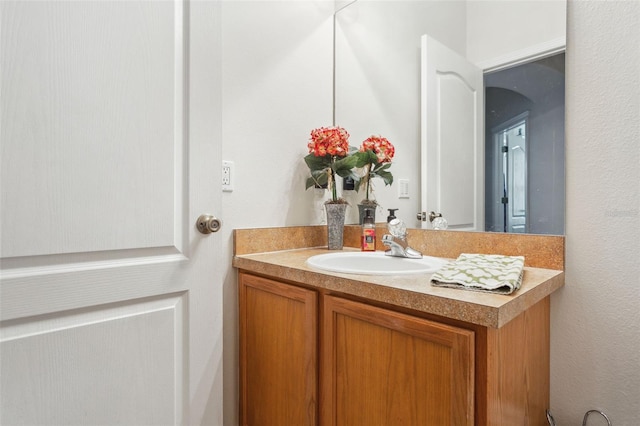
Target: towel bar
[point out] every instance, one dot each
(552, 422)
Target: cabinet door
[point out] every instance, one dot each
(278, 353)
(380, 367)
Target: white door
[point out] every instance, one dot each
(110, 303)
(452, 126)
(507, 201)
(515, 169)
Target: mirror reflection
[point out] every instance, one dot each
(518, 163)
(524, 148)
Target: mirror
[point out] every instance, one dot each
(378, 92)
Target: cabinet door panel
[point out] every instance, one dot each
(381, 367)
(278, 353)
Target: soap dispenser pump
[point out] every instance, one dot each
(368, 232)
(392, 215)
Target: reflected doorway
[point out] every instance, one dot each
(510, 139)
(524, 112)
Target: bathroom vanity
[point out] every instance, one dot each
(341, 349)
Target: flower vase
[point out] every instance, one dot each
(335, 225)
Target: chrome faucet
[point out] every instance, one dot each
(396, 241)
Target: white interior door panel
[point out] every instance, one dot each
(101, 183)
(452, 132)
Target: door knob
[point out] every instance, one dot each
(433, 216)
(207, 224)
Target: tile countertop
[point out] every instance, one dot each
(409, 291)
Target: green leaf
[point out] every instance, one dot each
(386, 176)
(367, 157)
(373, 158)
(318, 178)
(320, 175)
(317, 163)
(310, 183)
(381, 167)
(343, 166)
(359, 181)
(361, 159)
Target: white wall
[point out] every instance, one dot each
(528, 24)
(595, 340)
(277, 83)
(277, 86)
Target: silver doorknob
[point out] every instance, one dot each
(207, 224)
(422, 216)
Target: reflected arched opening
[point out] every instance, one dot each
(534, 90)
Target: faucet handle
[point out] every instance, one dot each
(397, 228)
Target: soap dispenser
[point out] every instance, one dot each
(392, 215)
(368, 232)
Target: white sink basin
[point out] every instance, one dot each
(374, 263)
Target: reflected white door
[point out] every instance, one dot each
(514, 168)
(452, 120)
(109, 308)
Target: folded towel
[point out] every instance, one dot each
(482, 272)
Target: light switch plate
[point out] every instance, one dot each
(403, 188)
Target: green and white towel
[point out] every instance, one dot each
(482, 272)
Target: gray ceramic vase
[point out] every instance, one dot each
(335, 225)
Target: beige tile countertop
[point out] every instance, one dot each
(408, 291)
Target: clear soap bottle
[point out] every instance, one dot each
(368, 232)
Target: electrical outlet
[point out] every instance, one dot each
(403, 188)
(227, 176)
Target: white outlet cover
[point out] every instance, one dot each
(227, 176)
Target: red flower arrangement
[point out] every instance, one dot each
(375, 156)
(380, 146)
(332, 141)
(329, 154)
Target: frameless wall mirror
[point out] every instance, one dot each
(471, 93)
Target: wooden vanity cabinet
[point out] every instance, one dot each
(381, 367)
(278, 353)
(312, 358)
